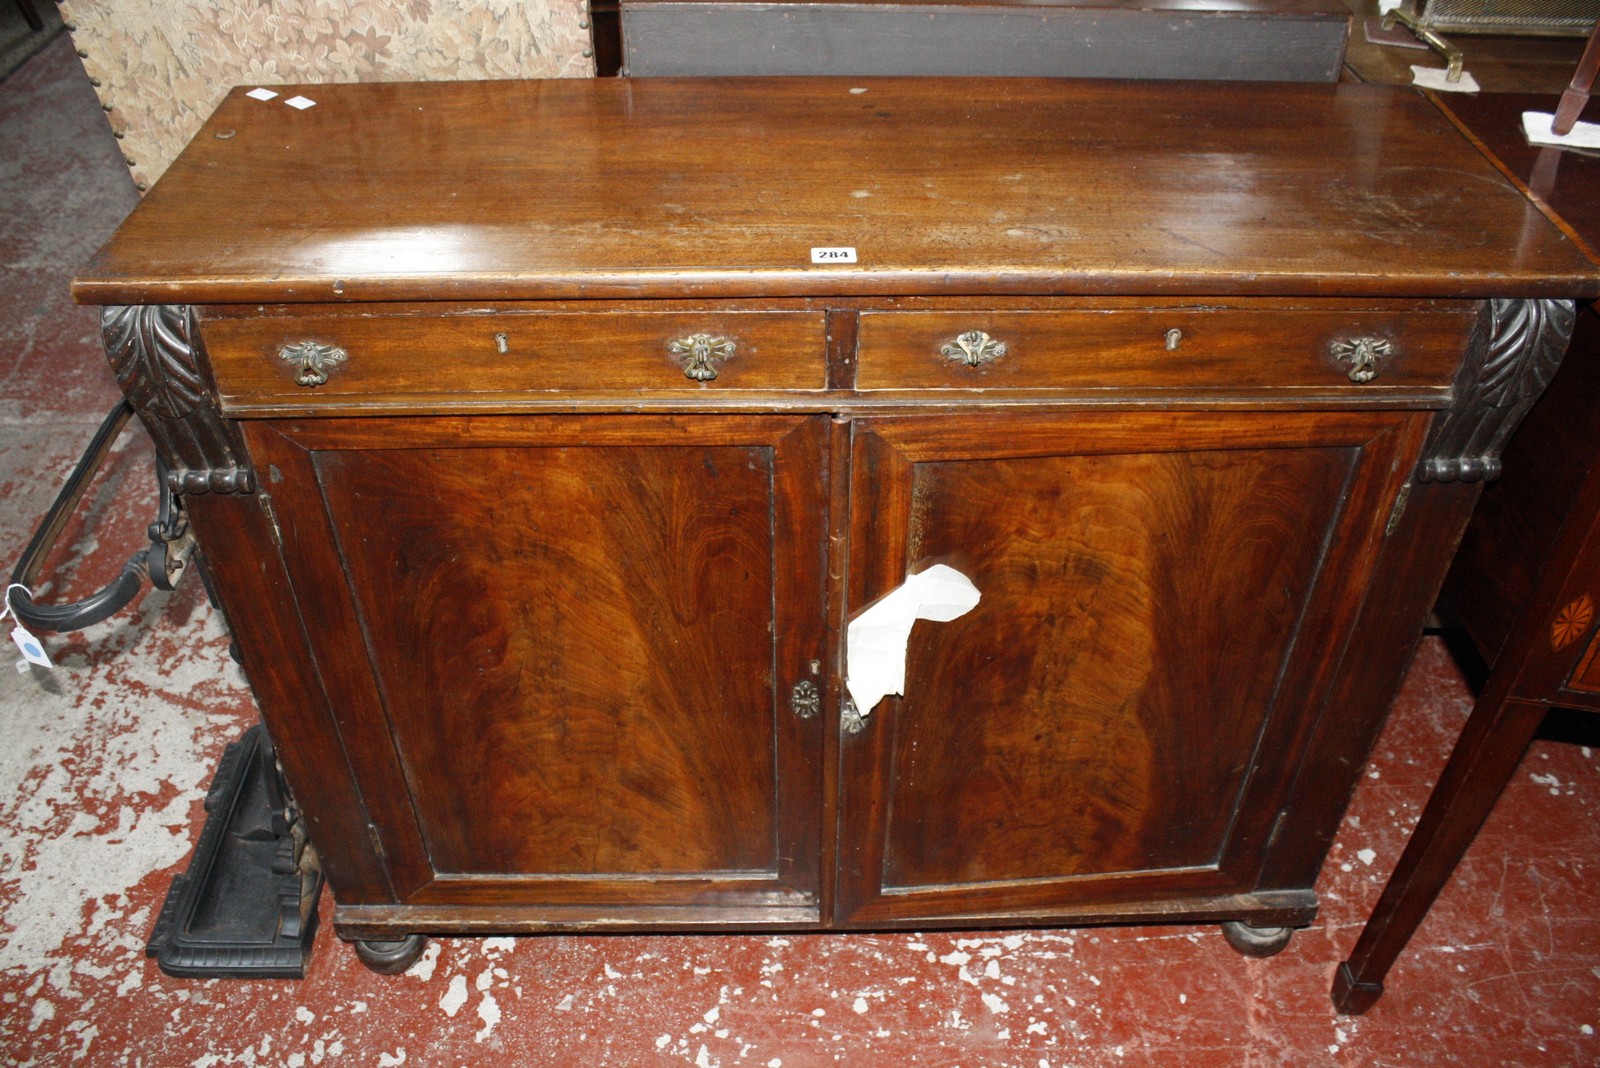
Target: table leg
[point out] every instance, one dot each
(1486, 756)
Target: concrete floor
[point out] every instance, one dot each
(104, 763)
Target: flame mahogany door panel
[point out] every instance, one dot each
(1166, 598)
(561, 651)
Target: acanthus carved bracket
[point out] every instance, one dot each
(154, 353)
(1514, 353)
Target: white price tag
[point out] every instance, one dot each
(841, 254)
(32, 648)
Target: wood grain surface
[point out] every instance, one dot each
(1563, 181)
(567, 646)
(1112, 677)
(1172, 348)
(1164, 597)
(624, 188)
(461, 356)
(559, 655)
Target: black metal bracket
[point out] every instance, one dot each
(163, 562)
(247, 906)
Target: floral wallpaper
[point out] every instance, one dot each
(161, 66)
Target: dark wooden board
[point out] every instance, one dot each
(1302, 41)
(1565, 181)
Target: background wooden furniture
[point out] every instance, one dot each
(1498, 64)
(1525, 583)
(1251, 40)
(540, 486)
(1576, 96)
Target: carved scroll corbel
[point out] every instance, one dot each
(154, 350)
(1514, 352)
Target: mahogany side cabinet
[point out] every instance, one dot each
(544, 438)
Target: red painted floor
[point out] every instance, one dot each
(104, 763)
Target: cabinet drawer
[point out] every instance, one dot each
(1161, 349)
(287, 358)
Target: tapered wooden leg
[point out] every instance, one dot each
(1491, 746)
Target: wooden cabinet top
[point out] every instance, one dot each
(723, 187)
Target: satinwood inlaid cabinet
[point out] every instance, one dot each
(544, 438)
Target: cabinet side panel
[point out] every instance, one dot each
(1410, 569)
(249, 577)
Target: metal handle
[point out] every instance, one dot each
(170, 535)
(315, 360)
(973, 348)
(805, 700)
(1407, 16)
(700, 354)
(1362, 354)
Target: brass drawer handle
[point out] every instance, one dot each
(973, 348)
(1362, 354)
(700, 354)
(315, 360)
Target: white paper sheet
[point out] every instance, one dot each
(875, 641)
(1434, 78)
(1536, 124)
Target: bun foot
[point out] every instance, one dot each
(390, 958)
(1256, 941)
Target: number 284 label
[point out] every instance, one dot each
(833, 255)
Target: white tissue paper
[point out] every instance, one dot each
(1434, 78)
(1536, 124)
(875, 642)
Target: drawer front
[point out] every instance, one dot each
(1178, 348)
(304, 359)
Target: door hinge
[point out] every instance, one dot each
(1277, 829)
(1399, 509)
(265, 504)
(850, 718)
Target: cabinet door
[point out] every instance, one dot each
(562, 651)
(1166, 597)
